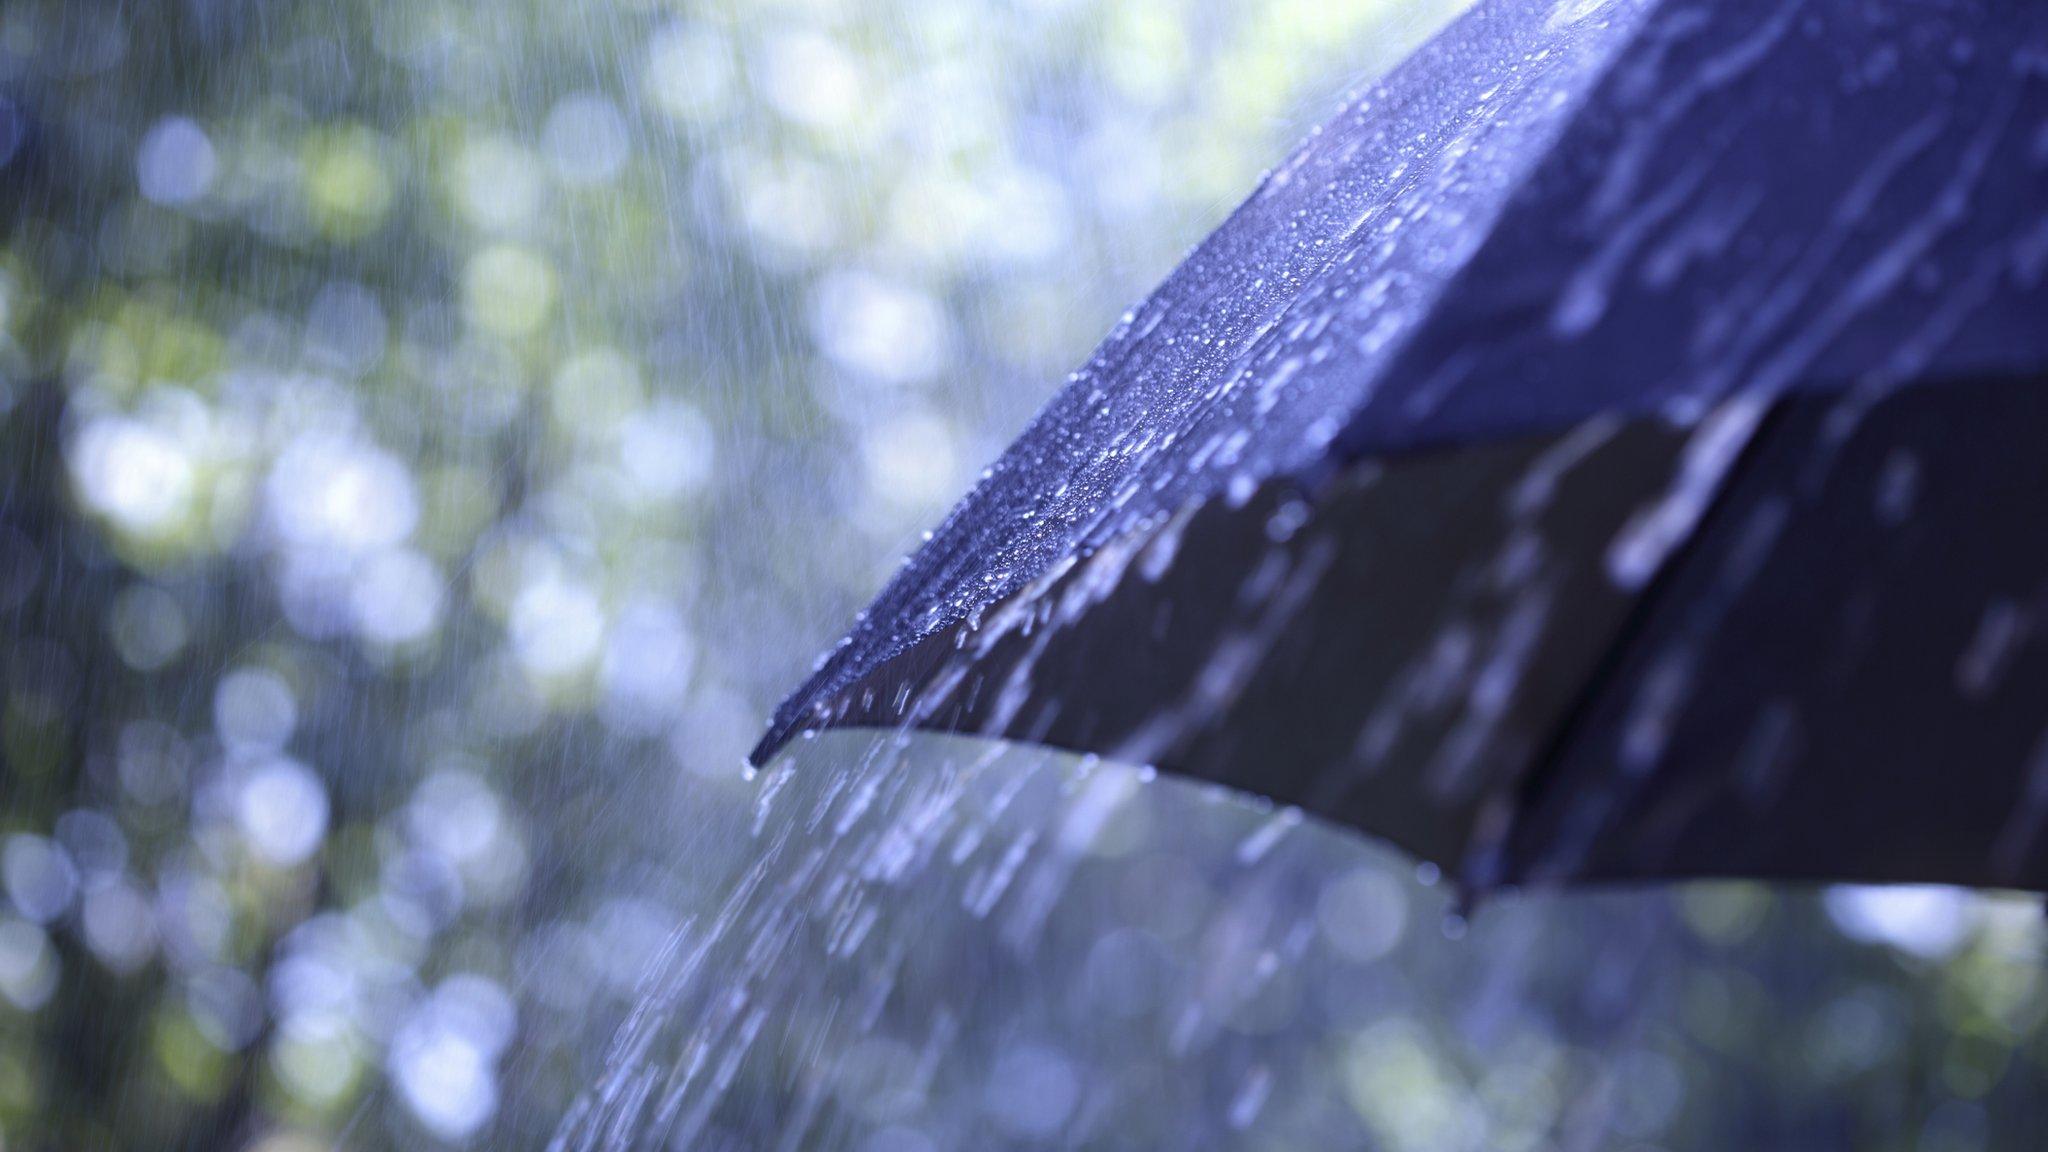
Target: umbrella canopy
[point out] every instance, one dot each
(1610, 448)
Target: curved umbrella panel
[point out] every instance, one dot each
(1691, 272)
(1762, 196)
(1847, 677)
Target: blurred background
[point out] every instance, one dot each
(434, 434)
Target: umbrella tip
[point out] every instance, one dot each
(770, 743)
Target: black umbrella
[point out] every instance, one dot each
(1615, 446)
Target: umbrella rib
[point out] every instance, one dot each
(1606, 675)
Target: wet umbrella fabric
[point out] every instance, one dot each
(1611, 448)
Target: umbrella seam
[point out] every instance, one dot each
(1543, 765)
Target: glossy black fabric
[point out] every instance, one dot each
(1847, 675)
(1554, 218)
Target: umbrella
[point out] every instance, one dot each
(1611, 448)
